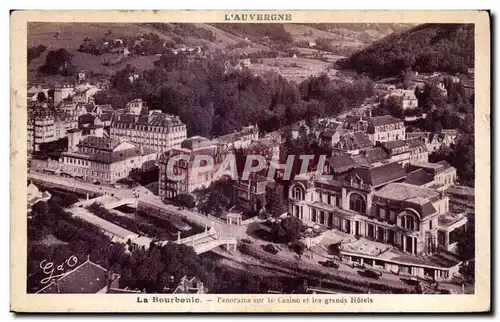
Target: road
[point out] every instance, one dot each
(144, 195)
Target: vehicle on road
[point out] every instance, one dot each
(270, 248)
(246, 241)
(372, 274)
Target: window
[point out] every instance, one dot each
(313, 215)
(430, 224)
(298, 193)
(357, 203)
(381, 212)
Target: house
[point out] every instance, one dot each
(355, 123)
(397, 150)
(297, 127)
(407, 98)
(330, 136)
(250, 194)
(418, 150)
(240, 139)
(372, 157)
(421, 136)
(352, 143)
(462, 198)
(312, 43)
(445, 138)
(385, 128)
(185, 165)
(444, 174)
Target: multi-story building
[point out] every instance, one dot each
(352, 143)
(418, 150)
(385, 224)
(63, 92)
(444, 174)
(45, 125)
(397, 150)
(250, 194)
(190, 148)
(407, 98)
(98, 159)
(136, 107)
(155, 131)
(385, 128)
(239, 140)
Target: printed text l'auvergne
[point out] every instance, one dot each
(257, 17)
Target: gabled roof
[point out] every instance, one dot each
(419, 177)
(341, 163)
(380, 175)
(99, 143)
(354, 141)
(370, 156)
(389, 145)
(86, 119)
(87, 278)
(383, 120)
(106, 116)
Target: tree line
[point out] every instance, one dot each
(425, 48)
(213, 101)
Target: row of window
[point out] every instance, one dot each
(156, 129)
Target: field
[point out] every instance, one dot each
(71, 35)
(294, 69)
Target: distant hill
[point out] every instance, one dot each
(425, 48)
(233, 39)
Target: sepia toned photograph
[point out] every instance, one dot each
(253, 155)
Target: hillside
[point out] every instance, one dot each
(425, 48)
(268, 41)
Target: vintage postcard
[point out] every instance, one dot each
(250, 161)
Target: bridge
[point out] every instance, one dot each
(208, 240)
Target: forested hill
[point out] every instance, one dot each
(425, 48)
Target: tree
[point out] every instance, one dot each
(58, 62)
(288, 230)
(185, 199)
(41, 97)
(41, 208)
(274, 202)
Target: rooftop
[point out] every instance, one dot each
(419, 177)
(406, 192)
(354, 141)
(377, 176)
(341, 163)
(393, 144)
(100, 143)
(384, 120)
(86, 278)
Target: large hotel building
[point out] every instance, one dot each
(386, 222)
(152, 130)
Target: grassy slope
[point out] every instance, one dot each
(72, 35)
